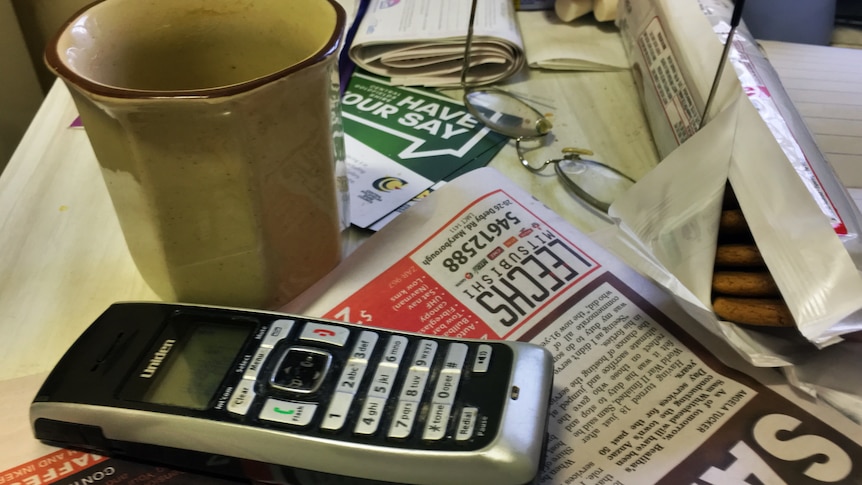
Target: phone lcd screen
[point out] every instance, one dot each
(192, 373)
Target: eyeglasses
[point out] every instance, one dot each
(593, 182)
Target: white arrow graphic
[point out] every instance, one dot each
(412, 150)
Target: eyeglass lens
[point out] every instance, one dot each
(594, 182)
(506, 114)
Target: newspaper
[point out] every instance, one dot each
(421, 42)
(582, 45)
(637, 397)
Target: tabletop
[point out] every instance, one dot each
(64, 260)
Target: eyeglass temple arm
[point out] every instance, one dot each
(468, 45)
(734, 23)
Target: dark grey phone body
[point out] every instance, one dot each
(182, 384)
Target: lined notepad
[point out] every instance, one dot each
(825, 85)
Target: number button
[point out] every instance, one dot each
(364, 346)
(449, 378)
(424, 354)
(372, 413)
(336, 413)
(445, 391)
(403, 419)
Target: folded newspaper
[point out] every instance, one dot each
(637, 398)
(583, 45)
(421, 42)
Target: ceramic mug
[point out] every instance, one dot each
(217, 128)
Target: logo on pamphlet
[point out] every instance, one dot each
(388, 184)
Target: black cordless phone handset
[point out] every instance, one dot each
(179, 384)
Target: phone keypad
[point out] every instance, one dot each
(444, 392)
(402, 389)
(349, 381)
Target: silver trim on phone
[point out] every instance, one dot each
(512, 458)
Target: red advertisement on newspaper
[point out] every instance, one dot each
(486, 274)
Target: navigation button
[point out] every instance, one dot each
(301, 370)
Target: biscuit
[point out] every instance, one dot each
(732, 225)
(738, 255)
(745, 283)
(770, 312)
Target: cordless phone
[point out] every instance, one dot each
(231, 392)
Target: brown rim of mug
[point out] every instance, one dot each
(52, 60)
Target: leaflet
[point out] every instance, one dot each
(402, 141)
(637, 398)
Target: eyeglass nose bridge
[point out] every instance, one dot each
(569, 153)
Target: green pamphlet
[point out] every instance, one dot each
(401, 141)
